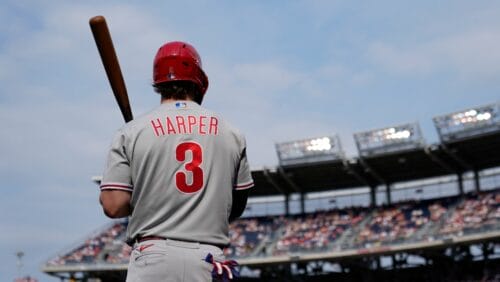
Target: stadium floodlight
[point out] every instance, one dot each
(389, 139)
(309, 150)
(468, 123)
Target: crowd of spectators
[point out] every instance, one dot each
(118, 255)
(246, 234)
(316, 231)
(399, 222)
(477, 211)
(89, 251)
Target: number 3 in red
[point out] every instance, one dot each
(193, 167)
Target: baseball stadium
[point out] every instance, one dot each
(400, 210)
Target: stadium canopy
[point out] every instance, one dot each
(469, 142)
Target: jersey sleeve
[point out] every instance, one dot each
(244, 176)
(117, 173)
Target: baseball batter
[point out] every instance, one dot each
(180, 172)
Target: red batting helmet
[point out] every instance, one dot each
(179, 61)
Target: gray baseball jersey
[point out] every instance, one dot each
(180, 162)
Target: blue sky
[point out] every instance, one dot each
(278, 70)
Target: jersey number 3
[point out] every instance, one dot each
(193, 167)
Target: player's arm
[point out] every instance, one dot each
(243, 185)
(116, 184)
(115, 203)
(239, 204)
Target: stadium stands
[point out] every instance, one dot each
(401, 223)
(248, 235)
(321, 231)
(476, 213)
(94, 249)
(317, 231)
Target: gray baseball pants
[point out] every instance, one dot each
(171, 260)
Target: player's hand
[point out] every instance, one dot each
(225, 270)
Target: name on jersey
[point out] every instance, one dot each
(202, 125)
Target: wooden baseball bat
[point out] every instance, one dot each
(109, 59)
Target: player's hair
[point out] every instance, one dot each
(179, 90)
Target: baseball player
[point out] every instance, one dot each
(180, 172)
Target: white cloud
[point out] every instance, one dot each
(250, 88)
(400, 60)
(470, 53)
(473, 52)
(320, 11)
(266, 76)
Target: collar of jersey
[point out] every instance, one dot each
(172, 105)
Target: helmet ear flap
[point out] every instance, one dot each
(179, 61)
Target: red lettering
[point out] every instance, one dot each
(191, 122)
(186, 125)
(201, 127)
(170, 127)
(157, 127)
(213, 126)
(193, 167)
(181, 125)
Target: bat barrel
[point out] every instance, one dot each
(109, 59)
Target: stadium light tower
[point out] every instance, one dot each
(468, 123)
(310, 150)
(19, 262)
(389, 139)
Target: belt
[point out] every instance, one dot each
(149, 238)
